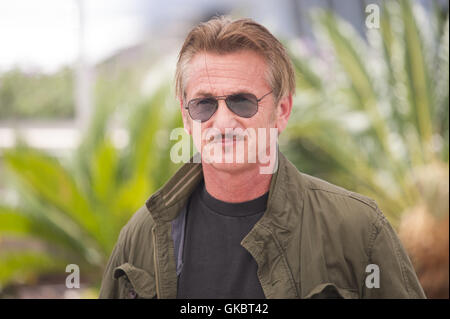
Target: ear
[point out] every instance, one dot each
(185, 117)
(283, 112)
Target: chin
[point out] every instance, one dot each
(232, 167)
(224, 157)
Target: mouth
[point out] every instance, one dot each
(226, 140)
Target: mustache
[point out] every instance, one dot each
(226, 136)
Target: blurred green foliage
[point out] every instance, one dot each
(36, 95)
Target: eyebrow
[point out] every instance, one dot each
(208, 94)
(203, 94)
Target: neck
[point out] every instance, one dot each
(235, 186)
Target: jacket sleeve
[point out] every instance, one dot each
(110, 287)
(387, 256)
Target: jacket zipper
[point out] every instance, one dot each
(155, 261)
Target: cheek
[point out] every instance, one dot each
(273, 114)
(266, 119)
(186, 118)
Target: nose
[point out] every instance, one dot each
(224, 117)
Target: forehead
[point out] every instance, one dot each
(221, 74)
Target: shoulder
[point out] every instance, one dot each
(334, 194)
(331, 204)
(350, 218)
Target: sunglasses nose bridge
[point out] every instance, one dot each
(223, 112)
(224, 101)
(221, 98)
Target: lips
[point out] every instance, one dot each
(225, 140)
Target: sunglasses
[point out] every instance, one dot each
(241, 104)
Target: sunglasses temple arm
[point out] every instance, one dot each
(264, 96)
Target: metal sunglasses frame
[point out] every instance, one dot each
(224, 97)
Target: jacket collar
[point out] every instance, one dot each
(165, 204)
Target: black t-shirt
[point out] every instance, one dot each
(215, 265)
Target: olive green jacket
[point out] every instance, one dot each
(315, 240)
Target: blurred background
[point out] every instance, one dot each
(87, 104)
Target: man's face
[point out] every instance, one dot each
(211, 74)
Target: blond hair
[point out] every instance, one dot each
(222, 35)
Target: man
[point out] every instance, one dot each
(254, 227)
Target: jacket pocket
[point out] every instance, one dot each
(135, 282)
(331, 291)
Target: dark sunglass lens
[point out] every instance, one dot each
(202, 109)
(245, 105)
